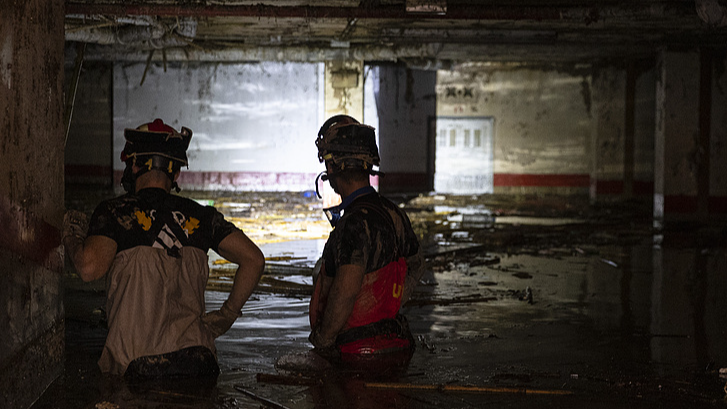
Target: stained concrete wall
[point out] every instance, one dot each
(608, 133)
(254, 124)
(644, 127)
(31, 198)
(542, 122)
(689, 169)
(88, 155)
(406, 106)
(623, 107)
(718, 131)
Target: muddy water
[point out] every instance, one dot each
(613, 317)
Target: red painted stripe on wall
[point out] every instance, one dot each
(29, 236)
(271, 179)
(609, 187)
(643, 187)
(534, 180)
(717, 205)
(241, 180)
(680, 204)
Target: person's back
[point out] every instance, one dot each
(153, 246)
(155, 287)
(371, 260)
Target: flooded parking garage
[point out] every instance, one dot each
(527, 302)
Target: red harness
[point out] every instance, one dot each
(379, 299)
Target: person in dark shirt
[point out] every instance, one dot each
(371, 260)
(152, 246)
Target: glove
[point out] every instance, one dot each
(218, 322)
(75, 224)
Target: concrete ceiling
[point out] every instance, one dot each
(422, 32)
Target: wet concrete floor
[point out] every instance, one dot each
(527, 302)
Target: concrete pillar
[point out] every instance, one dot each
(609, 132)
(644, 111)
(718, 136)
(89, 147)
(406, 105)
(31, 198)
(686, 182)
(343, 95)
(344, 89)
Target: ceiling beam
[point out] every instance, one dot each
(587, 15)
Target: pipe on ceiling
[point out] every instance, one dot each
(153, 33)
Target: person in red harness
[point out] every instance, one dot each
(372, 259)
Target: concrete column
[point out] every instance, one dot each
(644, 97)
(31, 198)
(406, 105)
(717, 203)
(343, 95)
(344, 89)
(683, 139)
(623, 129)
(609, 132)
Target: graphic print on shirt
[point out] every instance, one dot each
(167, 239)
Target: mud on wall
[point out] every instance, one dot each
(541, 121)
(31, 198)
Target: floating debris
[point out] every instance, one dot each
(609, 262)
(528, 296)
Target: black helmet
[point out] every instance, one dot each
(154, 145)
(157, 138)
(347, 144)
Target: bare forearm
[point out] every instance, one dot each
(341, 301)
(246, 279)
(414, 273)
(91, 256)
(339, 308)
(239, 249)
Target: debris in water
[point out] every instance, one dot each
(528, 296)
(609, 262)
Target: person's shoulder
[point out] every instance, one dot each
(194, 207)
(117, 201)
(365, 209)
